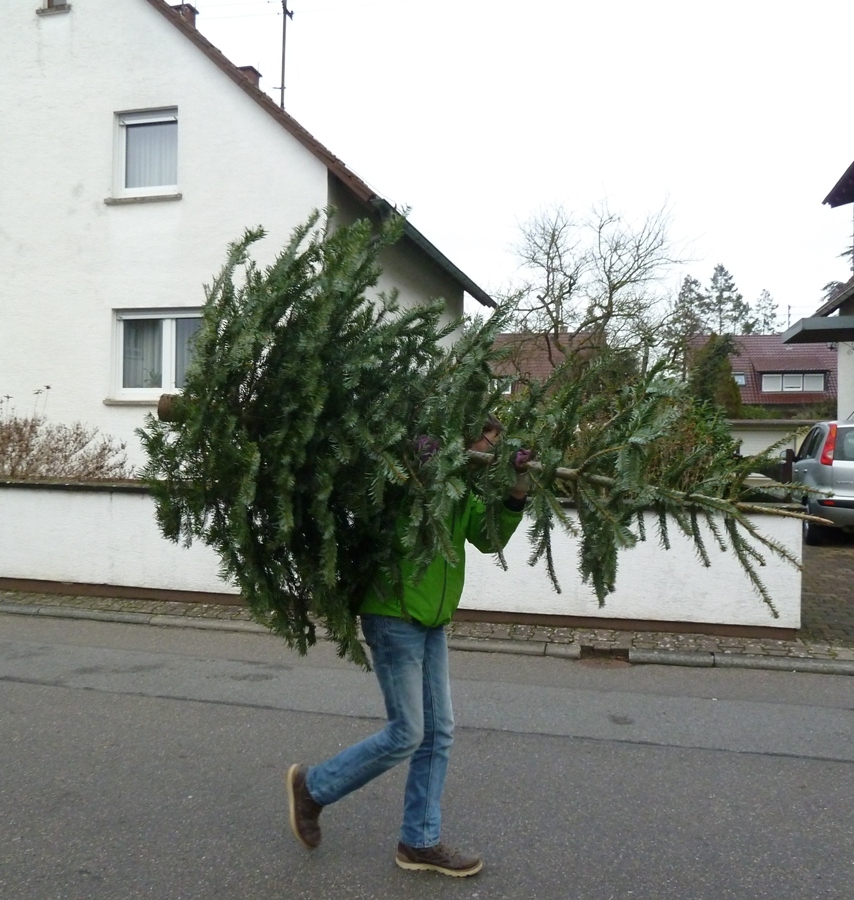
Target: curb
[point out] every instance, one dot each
(573, 651)
(130, 618)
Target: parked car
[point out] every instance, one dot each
(825, 461)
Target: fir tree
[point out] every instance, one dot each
(723, 308)
(711, 379)
(763, 315)
(322, 433)
(684, 322)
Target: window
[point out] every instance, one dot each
(154, 348)
(53, 6)
(793, 381)
(740, 380)
(504, 384)
(146, 154)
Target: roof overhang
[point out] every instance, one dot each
(821, 330)
(843, 191)
(417, 238)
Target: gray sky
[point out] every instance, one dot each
(478, 114)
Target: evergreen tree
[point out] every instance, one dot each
(763, 318)
(711, 379)
(723, 309)
(683, 323)
(321, 434)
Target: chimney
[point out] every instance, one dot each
(252, 74)
(187, 12)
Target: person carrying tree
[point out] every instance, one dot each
(409, 650)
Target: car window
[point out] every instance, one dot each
(810, 444)
(844, 450)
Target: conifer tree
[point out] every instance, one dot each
(322, 433)
(683, 322)
(763, 315)
(723, 308)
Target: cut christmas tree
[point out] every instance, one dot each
(323, 428)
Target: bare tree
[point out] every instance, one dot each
(596, 281)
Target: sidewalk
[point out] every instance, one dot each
(825, 642)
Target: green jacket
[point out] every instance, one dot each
(434, 599)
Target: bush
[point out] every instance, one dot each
(33, 448)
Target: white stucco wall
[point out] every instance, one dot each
(845, 370)
(405, 267)
(652, 584)
(757, 437)
(112, 538)
(99, 537)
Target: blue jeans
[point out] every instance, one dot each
(411, 663)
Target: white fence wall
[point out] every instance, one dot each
(652, 583)
(110, 537)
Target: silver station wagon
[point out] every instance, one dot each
(825, 461)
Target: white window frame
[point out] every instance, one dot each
(139, 117)
(167, 386)
(792, 382)
(504, 383)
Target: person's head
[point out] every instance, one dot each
(489, 435)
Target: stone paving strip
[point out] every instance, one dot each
(637, 647)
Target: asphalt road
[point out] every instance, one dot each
(143, 763)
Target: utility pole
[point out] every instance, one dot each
(286, 14)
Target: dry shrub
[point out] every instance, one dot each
(33, 448)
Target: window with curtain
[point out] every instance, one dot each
(151, 154)
(146, 161)
(154, 349)
(142, 356)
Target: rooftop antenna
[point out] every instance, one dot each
(286, 14)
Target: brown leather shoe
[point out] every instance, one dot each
(304, 810)
(440, 858)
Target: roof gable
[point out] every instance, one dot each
(335, 166)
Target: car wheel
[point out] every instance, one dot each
(815, 535)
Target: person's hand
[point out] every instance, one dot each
(425, 448)
(522, 485)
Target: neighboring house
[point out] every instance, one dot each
(133, 153)
(791, 381)
(833, 321)
(534, 356)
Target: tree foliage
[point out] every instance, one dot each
(711, 380)
(763, 315)
(722, 307)
(298, 453)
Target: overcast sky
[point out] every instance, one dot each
(478, 114)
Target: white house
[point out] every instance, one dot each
(832, 323)
(133, 152)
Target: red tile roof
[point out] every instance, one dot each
(534, 357)
(760, 354)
